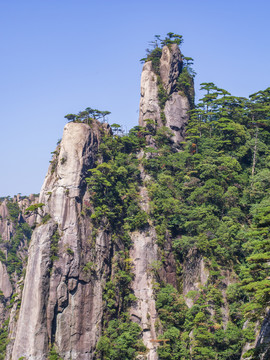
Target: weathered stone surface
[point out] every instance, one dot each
(61, 304)
(149, 106)
(32, 338)
(176, 113)
(146, 261)
(6, 226)
(194, 274)
(144, 255)
(170, 67)
(176, 107)
(263, 339)
(5, 285)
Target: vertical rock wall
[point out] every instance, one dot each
(144, 253)
(177, 105)
(62, 303)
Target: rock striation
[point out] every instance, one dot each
(10, 226)
(174, 113)
(61, 303)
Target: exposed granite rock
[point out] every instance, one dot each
(144, 254)
(170, 67)
(32, 338)
(149, 105)
(176, 112)
(194, 274)
(177, 105)
(263, 339)
(5, 284)
(146, 259)
(6, 226)
(8, 230)
(61, 304)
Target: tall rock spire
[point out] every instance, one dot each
(61, 305)
(163, 98)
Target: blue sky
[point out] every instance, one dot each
(61, 56)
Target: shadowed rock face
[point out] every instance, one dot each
(170, 67)
(9, 230)
(263, 340)
(62, 303)
(176, 113)
(177, 106)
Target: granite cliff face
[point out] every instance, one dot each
(174, 113)
(62, 303)
(13, 239)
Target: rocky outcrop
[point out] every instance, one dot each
(6, 225)
(174, 113)
(11, 225)
(62, 301)
(195, 274)
(5, 284)
(263, 339)
(144, 255)
(149, 105)
(261, 345)
(170, 67)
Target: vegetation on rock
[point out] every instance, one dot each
(211, 199)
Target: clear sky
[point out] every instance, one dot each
(61, 56)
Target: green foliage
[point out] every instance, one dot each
(185, 84)
(88, 115)
(54, 246)
(53, 354)
(70, 252)
(212, 198)
(162, 94)
(114, 187)
(171, 307)
(13, 210)
(185, 81)
(34, 208)
(121, 340)
(21, 235)
(114, 184)
(89, 267)
(155, 56)
(3, 339)
(45, 218)
(118, 294)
